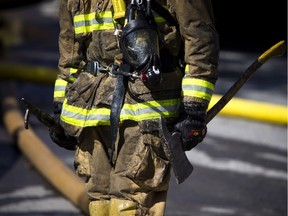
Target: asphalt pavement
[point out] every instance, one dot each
(239, 170)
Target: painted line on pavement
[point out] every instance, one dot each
(200, 158)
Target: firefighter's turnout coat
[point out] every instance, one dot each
(87, 34)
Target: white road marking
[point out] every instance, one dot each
(251, 132)
(36, 191)
(35, 199)
(217, 210)
(272, 157)
(52, 204)
(200, 158)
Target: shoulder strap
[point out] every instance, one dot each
(159, 9)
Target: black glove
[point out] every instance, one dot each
(192, 126)
(60, 137)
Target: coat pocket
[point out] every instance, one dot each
(152, 170)
(83, 91)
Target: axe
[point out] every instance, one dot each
(181, 166)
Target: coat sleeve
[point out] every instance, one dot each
(201, 48)
(69, 49)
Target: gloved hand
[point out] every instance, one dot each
(60, 137)
(192, 126)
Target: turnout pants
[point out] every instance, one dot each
(137, 182)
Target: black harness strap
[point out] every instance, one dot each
(122, 80)
(116, 106)
(171, 21)
(159, 9)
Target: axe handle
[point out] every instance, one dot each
(276, 50)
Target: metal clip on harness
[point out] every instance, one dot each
(94, 68)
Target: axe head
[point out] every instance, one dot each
(181, 166)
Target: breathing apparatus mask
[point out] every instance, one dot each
(139, 42)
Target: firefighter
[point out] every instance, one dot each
(120, 70)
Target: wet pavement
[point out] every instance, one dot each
(240, 169)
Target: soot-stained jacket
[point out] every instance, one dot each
(87, 34)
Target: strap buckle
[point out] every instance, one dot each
(94, 68)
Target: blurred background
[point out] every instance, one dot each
(241, 167)
(250, 25)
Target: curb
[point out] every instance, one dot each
(253, 110)
(39, 75)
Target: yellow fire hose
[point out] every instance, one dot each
(48, 164)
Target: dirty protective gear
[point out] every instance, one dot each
(123, 207)
(130, 172)
(61, 139)
(114, 206)
(83, 26)
(141, 170)
(139, 40)
(139, 43)
(99, 208)
(192, 127)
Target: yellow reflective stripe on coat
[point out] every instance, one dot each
(71, 72)
(85, 23)
(81, 117)
(60, 84)
(150, 110)
(158, 18)
(186, 68)
(59, 88)
(137, 112)
(199, 88)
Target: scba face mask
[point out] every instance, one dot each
(139, 43)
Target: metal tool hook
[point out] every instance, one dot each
(26, 119)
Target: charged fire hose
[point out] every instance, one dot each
(48, 164)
